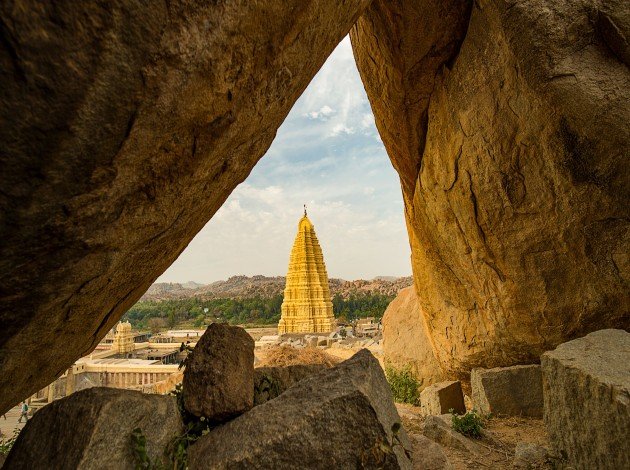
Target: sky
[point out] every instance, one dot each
(328, 155)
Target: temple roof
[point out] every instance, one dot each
(305, 224)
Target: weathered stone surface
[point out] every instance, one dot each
(219, 375)
(440, 398)
(528, 455)
(124, 126)
(587, 400)
(512, 151)
(405, 339)
(340, 418)
(428, 455)
(508, 391)
(269, 382)
(440, 430)
(400, 48)
(92, 429)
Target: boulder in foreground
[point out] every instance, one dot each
(343, 417)
(219, 376)
(440, 398)
(93, 429)
(508, 391)
(269, 382)
(587, 400)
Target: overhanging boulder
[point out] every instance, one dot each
(508, 125)
(124, 126)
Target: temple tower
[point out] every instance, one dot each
(306, 307)
(123, 340)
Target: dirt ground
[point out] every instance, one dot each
(496, 447)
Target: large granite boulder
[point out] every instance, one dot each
(269, 382)
(406, 342)
(124, 126)
(343, 417)
(508, 391)
(587, 400)
(219, 376)
(508, 125)
(92, 429)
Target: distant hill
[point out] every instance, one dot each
(240, 287)
(191, 285)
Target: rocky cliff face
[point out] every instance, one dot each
(516, 185)
(124, 127)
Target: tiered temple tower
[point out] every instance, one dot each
(306, 307)
(123, 340)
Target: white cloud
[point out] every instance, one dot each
(323, 114)
(340, 129)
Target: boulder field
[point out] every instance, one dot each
(124, 127)
(320, 418)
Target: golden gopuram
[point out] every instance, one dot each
(306, 307)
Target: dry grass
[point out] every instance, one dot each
(287, 356)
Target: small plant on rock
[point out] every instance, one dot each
(404, 385)
(468, 424)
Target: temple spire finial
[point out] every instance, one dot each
(304, 210)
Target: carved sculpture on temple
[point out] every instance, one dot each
(306, 307)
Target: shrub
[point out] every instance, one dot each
(404, 385)
(469, 424)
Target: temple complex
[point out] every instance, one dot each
(306, 307)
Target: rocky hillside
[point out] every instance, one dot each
(263, 286)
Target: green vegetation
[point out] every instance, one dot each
(139, 450)
(255, 311)
(469, 424)
(361, 305)
(194, 312)
(176, 453)
(404, 385)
